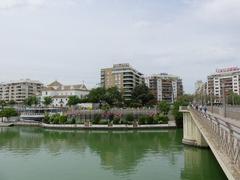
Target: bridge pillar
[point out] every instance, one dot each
(191, 134)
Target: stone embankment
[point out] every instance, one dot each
(170, 125)
(3, 124)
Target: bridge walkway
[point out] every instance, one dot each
(223, 137)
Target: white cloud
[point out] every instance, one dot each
(219, 11)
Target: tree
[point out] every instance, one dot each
(2, 104)
(12, 102)
(181, 101)
(32, 100)
(47, 101)
(186, 98)
(113, 96)
(8, 112)
(97, 95)
(73, 100)
(142, 95)
(177, 114)
(233, 99)
(164, 107)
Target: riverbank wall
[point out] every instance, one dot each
(96, 127)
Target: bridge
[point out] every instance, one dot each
(221, 135)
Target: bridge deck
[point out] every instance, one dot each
(223, 137)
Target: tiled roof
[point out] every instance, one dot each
(56, 86)
(55, 83)
(60, 96)
(48, 89)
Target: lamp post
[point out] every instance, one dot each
(233, 103)
(224, 101)
(211, 99)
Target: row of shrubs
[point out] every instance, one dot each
(57, 119)
(129, 119)
(98, 119)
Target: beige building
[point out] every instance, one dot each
(122, 76)
(165, 87)
(225, 80)
(19, 90)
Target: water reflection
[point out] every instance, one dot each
(120, 152)
(198, 165)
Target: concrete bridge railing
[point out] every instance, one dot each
(227, 136)
(220, 134)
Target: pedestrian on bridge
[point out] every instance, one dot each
(205, 109)
(197, 107)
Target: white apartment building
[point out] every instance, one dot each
(165, 87)
(227, 79)
(60, 93)
(19, 90)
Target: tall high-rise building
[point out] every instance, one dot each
(122, 76)
(198, 85)
(165, 87)
(225, 80)
(19, 90)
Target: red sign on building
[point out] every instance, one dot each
(231, 69)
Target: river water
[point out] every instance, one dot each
(40, 154)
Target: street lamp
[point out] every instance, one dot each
(224, 101)
(211, 99)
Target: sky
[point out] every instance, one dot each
(71, 40)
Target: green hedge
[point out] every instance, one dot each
(55, 119)
(97, 119)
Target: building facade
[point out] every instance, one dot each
(198, 86)
(165, 87)
(122, 76)
(20, 90)
(201, 93)
(224, 81)
(60, 93)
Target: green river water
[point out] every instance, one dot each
(40, 154)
